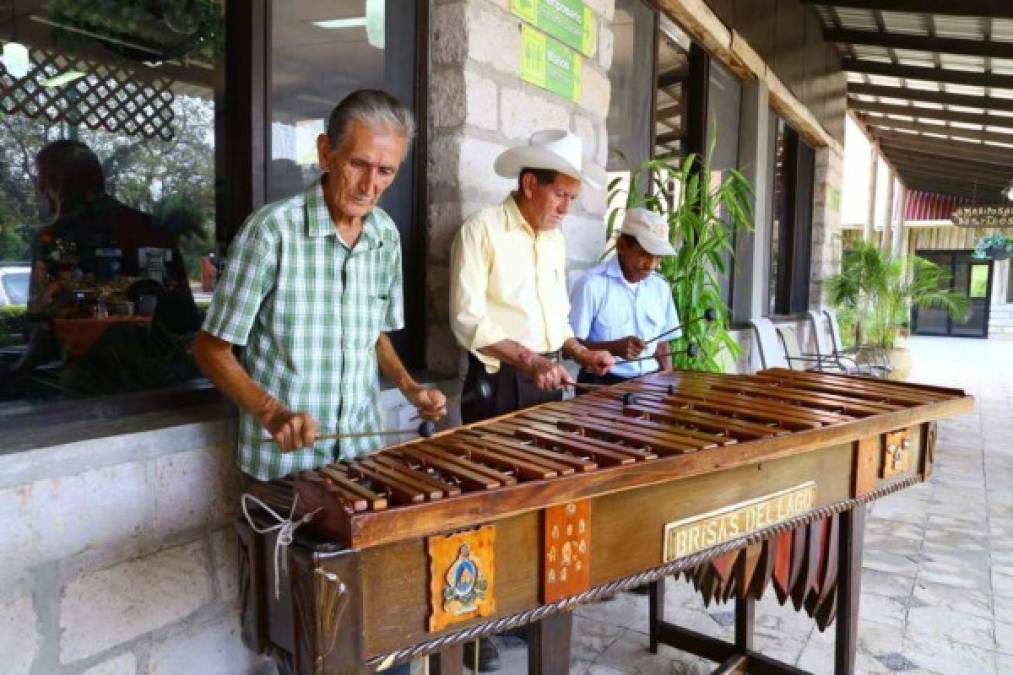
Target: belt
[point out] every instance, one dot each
(556, 355)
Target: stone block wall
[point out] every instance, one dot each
(479, 106)
(118, 555)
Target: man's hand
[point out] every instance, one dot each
(547, 375)
(290, 430)
(629, 347)
(432, 404)
(597, 361)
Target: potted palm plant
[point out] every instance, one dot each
(703, 209)
(874, 294)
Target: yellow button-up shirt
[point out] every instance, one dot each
(508, 282)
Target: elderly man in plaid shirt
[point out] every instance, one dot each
(312, 286)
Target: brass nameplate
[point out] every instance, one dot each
(691, 535)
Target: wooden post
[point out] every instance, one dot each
(656, 613)
(449, 661)
(885, 242)
(899, 237)
(849, 589)
(870, 222)
(549, 645)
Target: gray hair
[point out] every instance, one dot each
(374, 108)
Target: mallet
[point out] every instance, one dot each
(425, 430)
(708, 315)
(691, 351)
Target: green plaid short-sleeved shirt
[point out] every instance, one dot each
(309, 311)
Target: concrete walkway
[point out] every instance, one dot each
(937, 594)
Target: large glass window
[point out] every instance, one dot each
(629, 117)
(322, 50)
(794, 165)
(724, 97)
(107, 194)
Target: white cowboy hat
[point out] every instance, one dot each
(650, 229)
(553, 149)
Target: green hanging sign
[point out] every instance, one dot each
(550, 65)
(569, 21)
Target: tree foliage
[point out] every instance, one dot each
(151, 175)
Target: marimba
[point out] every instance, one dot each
(739, 482)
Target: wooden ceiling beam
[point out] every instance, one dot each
(880, 122)
(947, 75)
(973, 151)
(978, 194)
(915, 181)
(940, 155)
(917, 42)
(952, 170)
(931, 113)
(986, 102)
(970, 183)
(992, 8)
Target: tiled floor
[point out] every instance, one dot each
(937, 593)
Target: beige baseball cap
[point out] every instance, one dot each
(650, 229)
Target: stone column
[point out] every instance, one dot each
(869, 227)
(479, 106)
(826, 225)
(752, 249)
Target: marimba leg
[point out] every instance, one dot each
(549, 645)
(449, 661)
(849, 588)
(745, 614)
(656, 603)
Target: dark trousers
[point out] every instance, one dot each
(511, 391)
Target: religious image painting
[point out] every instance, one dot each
(461, 574)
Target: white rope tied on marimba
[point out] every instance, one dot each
(286, 534)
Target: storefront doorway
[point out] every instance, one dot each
(969, 276)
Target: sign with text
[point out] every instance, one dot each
(692, 535)
(569, 21)
(550, 65)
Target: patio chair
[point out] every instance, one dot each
(878, 360)
(826, 349)
(777, 351)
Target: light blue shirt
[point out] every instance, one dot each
(604, 306)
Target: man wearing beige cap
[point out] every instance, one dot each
(508, 299)
(622, 304)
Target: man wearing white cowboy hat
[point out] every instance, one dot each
(508, 299)
(621, 304)
(508, 296)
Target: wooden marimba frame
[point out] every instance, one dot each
(738, 482)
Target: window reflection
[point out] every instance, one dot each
(107, 204)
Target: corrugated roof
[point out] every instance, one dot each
(935, 88)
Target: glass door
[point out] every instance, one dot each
(970, 277)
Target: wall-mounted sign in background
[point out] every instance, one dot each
(550, 65)
(569, 21)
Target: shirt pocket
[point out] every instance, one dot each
(614, 321)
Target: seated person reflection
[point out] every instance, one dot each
(96, 262)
